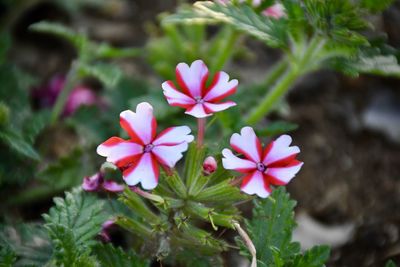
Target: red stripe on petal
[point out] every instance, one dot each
(129, 168)
(241, 151)
(113, 141)
(132, 134)
(155, 167)
(273, 180)
(182, 84)
(284, 162)
(153, 128)
(267, 185)
(228, 93)
(246, 180)
(126, 162)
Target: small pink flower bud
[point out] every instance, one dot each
(209, 165)
(105, 227)
(276, 11)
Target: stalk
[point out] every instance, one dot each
(224, 51)
(63, 96)
(201, 127)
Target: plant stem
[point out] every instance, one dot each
(272, 97)
(249, 244)
(70, 82)
(224, 50)
(201, 126)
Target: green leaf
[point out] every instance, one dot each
(315, 257)
(7, 256)
(30, 243)
(72, 223)
(58, 29)
(390, 263)
(243, 18)
(110, 256)
(376, 6)
(271, 228)
(17, 143)
(108, 74)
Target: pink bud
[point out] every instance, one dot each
(276, 11)
(209, 165)
(92, 183)
(80, 96)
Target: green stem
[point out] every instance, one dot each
(70, 82)
(224, 51)
(272, 97)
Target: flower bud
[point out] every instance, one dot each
(105, 228)
(209, 165)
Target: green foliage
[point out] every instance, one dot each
(390, 263)
(28, 244)
(108, 74)
(110, 256)
(271, 228)
(7, 256)
(243, 18)
(376, 6)
(72, 223)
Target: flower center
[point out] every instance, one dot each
(261, 167)
(148, 148)
(199, 100)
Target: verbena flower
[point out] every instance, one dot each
(199, 100)
(139, 157)
(97, 183)
(276, 164)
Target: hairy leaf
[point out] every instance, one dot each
(315, 257)
(110, 256)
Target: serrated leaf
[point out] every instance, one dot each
(271, 228)
(314, 257)
(110, 256)
(29, 242)
(108, 74)
(243, 18)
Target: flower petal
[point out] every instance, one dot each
(192, 79)
(255, 183)
(112, 186)
(118, 150)
(92, 183)
(141, 126)
(176, 98)
(278, 153)
(282, 176)
(232, 162)
(145, 171)
(173, 136)
(211, 107)
(247, 144)
(221, 87)
(198, 111)
(169, 155)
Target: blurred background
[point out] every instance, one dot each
(348, 129)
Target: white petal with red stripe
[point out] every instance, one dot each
(211, 107)
(232, 162)
(221, 87)
(116, 149)
(141, 126)
(198, 111)
(284, 174)
(144, 172)
(192, 78)
(169, 155)
(280, 149)
(174, 136)
(254, 183)
(247, 143)
(176, 98)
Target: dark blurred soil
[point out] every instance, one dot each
(351, 173)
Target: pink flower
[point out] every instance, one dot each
(97, 183)
(209, 165)
(276, 11)
(138, 158)
(80, 96)
(275, 165)
(199, 100)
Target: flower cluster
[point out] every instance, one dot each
(140, 156)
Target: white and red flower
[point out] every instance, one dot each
(139, 157)
(274, 165)
(209, 165)
(199, 100)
